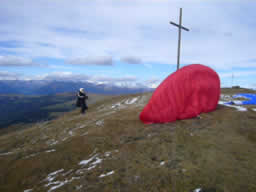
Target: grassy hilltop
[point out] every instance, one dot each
(109, 149)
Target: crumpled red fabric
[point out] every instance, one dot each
(184, 94)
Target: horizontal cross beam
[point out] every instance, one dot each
(184, 28)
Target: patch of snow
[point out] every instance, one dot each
(80, 171)
(82, 126)
(239, 108)
(142, 101)
(131, 101)
(56, 172)
(197, 190)
(4, 154)
(52, 183)
(70, 133)
(86, 133)
(107, 154)
(53, 175)
(100, 122)
(98, 160)
(92, 167)
(59, 184)
(85, 162)
(49, 151)
(52, 142)
(64, 139)
(32, 155)
(254, 109)
(116, 105)
(107, 174)
(221, 102)
(64, 174)
(237, 102)
(225, 97)
(28, 190)
(162, 163)
(91, 162)
(240, 96)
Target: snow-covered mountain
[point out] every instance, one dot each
(49, 87)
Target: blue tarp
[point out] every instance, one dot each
(250, 96)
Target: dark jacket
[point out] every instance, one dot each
(81, 99)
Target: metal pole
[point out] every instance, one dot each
(232, 80)
(178, 59)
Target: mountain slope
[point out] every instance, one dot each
(23, 109)
(109, 149)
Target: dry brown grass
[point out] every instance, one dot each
(216, 152)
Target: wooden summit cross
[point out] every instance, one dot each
(179, 41)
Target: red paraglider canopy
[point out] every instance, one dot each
(186, 93)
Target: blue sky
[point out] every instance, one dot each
(126, 42)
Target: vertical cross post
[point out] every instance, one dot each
(232, 80)
(179, 40)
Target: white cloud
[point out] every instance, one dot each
(131, 60)
(5, 75)
(98, 79)
(237, 74)
(106, 60)
(114, 79)
(14, 61)
(221, 33)
(61, 76)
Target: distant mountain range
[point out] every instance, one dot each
(45, 87)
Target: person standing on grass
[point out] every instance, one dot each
(81, 100)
